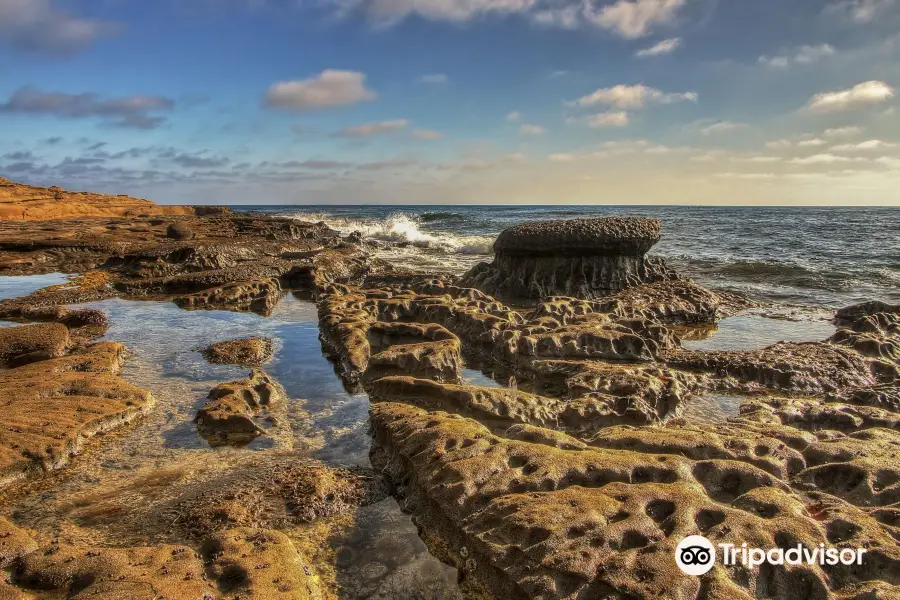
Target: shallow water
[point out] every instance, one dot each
(22, 285)
(134, 467)
(752, 332)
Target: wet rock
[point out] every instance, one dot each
(672, 302)
(240, 411)
(179, 231)
(51, 407)
(705, 442)
(584, 258)
(815, 414)
(32, 343)
(812, 368)
(274, 490)
(428, 351)
(531, 520)
(14, 543)
(245, 563)
(501, 408)
(260, 565)
(81, 317)
(259, 296)
(250, 352)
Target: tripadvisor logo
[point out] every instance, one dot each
(696, 555)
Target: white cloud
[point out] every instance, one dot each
(434, 78)
(376, 128)
(722, 127)
(861, 11)
(864, 146)
(779, 144)
(563, 157)
(614, 118)
(803, 55)
(329, 88)
(634, 18)
(529, 129)
(840, 132)
(513, 116)
(633, 97)
(819, 159)
(35, 25)
(863, 94)
(627, 18)
(811, 143)
(427, 134)
(663, 47)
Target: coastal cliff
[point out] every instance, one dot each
(30, 203)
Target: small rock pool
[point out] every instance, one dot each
(379, 556)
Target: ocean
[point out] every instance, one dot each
(808, 257)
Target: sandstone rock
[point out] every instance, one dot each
(814, 414)
(259, 296)
(179, 231)
(250, 352)
(245, 563)
(51, 407)
(14, 543)
(32, 343)
(239, 412)
(531, 520)
(585, 258)
(260, 565)
(812, 368)
(272, 490)
(24, 202)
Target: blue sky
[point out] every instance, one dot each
(470, 101)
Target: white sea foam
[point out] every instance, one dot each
(403, 228)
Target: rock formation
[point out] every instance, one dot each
(583, 258)
(250, 352)
(25, 202)
(50, 407)
(240, 411)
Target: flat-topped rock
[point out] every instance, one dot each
(249, 352)
(582, 258)
(617, 235)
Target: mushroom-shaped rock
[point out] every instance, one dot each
(583, 258)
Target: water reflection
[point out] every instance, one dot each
(327, 423)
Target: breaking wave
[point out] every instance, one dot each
(405, 229)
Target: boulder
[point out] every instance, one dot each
(179, 231)
(241, 411)
(249, 352)
(584, 258)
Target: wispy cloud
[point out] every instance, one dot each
(328, 89)
(35, 25)
(861, 95)
(802, 55)
(131, 111)
(427, 134)
(630, 97)
(372, 129)
(663, 47)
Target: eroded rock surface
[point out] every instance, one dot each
(51, 407)
(249, 352)
(535, 520)
(32, 343)
(241, 411)
(585, 258)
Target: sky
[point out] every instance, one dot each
(727, 102)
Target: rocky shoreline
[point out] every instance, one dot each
(577, 482)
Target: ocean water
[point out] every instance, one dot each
(810, 256)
